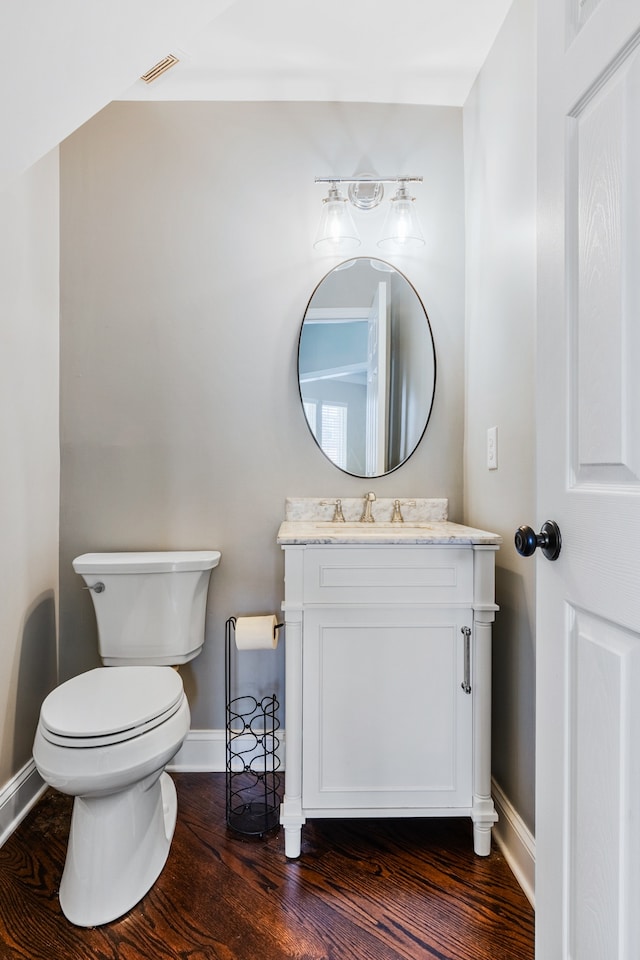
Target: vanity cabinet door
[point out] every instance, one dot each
(386, 721)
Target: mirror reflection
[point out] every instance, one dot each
(366, 367)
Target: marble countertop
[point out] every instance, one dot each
(434, 532)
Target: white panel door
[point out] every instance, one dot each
(588, 469)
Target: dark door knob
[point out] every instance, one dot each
(549, 540)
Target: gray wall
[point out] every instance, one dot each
(499, 144)
(29, 479)
(186, 266)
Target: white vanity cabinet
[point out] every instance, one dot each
(388, 675)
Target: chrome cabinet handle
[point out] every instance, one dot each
(466, 683)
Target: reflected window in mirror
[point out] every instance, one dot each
(328, 423)
(366, 367)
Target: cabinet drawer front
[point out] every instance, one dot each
(393, 574)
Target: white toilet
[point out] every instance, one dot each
(105, 736)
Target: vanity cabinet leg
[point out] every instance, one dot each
(292, 842)
(291, 821)
(483, 815)
(482, 839)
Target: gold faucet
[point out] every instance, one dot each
(338, 516)
(397, 513)
(366, 513)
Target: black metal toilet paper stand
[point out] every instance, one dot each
(253, 783)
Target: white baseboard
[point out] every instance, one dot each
(17, 797)
(516, 842)
(205, 751)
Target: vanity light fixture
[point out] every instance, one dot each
(337, 229)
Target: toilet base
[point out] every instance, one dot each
(118, 845)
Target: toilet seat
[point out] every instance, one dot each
(109, 705)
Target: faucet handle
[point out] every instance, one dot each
(397, 513)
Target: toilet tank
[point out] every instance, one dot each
(151, 608)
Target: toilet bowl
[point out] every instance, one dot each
(106, 736)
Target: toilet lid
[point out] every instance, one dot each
(109, 705)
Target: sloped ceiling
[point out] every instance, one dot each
(405, 51)
(63, 61)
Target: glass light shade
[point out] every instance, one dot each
(337, 229)
(402, 227)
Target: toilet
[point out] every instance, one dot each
(106, 736)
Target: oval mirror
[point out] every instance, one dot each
(366, 367)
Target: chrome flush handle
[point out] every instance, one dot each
(97, 587)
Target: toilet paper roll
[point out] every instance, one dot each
(256, 633)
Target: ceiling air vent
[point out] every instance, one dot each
(161, 67)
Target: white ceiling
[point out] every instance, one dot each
(407, 51)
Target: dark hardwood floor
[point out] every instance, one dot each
(362, 890)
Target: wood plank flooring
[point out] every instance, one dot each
(362, 890)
